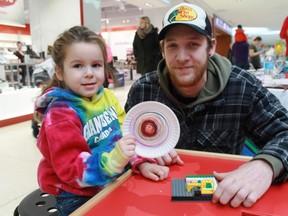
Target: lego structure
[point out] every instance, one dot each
(194, 188)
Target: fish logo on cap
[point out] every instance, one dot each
(182, 13)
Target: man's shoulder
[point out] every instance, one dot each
(242, 75)
(148, 79)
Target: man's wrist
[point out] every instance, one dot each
(275, 163)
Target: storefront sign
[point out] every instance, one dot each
(12, 13)
(222, 25)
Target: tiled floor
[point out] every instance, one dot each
(19, 159)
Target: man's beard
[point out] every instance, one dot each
(189, 81)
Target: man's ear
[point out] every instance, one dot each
(163, 55)
(59, 73)
(162, 48)
(213, 47)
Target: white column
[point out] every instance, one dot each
(50, 18)
(92, 14)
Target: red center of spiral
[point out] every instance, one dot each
(148, 128)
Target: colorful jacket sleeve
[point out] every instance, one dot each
(115, 161)
(65, 148)
(136, 160)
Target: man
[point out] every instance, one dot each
(255, 51)
(218, 106)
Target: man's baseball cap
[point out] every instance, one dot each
(186, 14)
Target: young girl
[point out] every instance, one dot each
(80, 137)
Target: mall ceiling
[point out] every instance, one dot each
(255, 13)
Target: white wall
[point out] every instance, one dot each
(120, 42)
(50, 18)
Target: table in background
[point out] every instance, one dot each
(281, 94)
(135, 195)
(279, 88)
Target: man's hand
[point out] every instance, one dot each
(171, 158)
(244, 185)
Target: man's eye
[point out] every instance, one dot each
(193, 44)
(171, 46)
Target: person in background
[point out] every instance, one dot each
(240, 49)
(217, 105)
(146, 48)
(255, 51)
(21, 56)
(230, 54)
(284, 34)
(79, 157)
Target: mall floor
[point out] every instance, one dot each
(19, 158)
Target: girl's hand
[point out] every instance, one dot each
(127, 145)
(153, 171)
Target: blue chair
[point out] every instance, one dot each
(249, 149)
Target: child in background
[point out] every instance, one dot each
(80, 137)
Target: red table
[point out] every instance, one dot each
(137, 196)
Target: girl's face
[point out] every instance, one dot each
(83, 69)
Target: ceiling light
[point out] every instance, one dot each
(148, 4)
(122, 6)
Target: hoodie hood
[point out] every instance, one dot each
(240, 36)
(218, 72)
(58, 97)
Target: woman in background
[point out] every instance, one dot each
(21, 56)
(146, 47)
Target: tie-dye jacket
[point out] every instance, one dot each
(78, 141)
